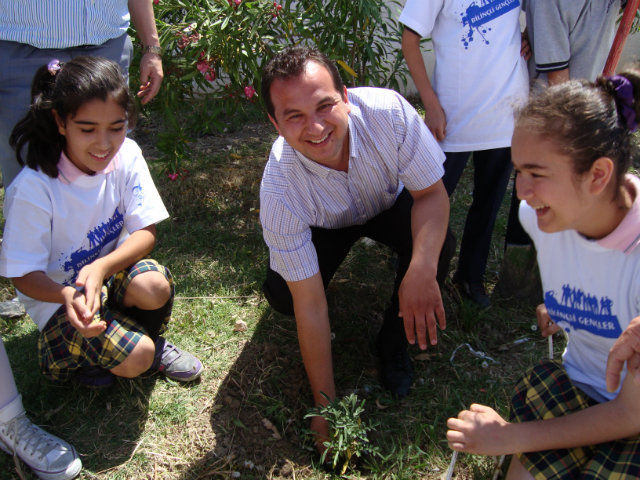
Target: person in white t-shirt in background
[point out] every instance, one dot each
(80, 222)
(479, 78)
(572, 148)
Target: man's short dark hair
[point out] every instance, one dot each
(291, 63)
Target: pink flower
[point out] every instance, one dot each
(202, 54)
(279, 7)
(237, 2)
(202, 66)
(211, 75)
(156, 2)
(172, 176)
(249, 91)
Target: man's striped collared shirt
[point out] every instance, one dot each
(63, 23)
(389, 145)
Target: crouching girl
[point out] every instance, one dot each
(572, 147)
(100, 304)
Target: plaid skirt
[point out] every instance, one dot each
(544, 392)
(62, 350)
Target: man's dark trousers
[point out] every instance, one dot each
(391, 227)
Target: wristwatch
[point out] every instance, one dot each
(152, 49)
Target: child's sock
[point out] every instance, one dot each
(152, 320)
(8, 389)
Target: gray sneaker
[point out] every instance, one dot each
(49, 457)
(175, 363)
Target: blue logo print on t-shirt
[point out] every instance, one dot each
(480, 13)
(580, 311)
(98, 238)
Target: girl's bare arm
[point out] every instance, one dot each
(482, 431)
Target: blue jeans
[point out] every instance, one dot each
(492, 169)
(19, 64)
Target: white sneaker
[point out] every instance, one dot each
(49, 457)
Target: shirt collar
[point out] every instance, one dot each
(69, 173)
(626, 236)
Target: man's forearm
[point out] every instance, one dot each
(314, 335)
(429, 220)
(144, 21)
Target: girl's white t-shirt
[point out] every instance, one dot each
(479, 75)
(58, 225)
(591, 291)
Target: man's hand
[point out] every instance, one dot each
(151, 76)
(479, 430)
(420, 304)
(546, 325)
(436, 121)
(79, 315)
(626, 349)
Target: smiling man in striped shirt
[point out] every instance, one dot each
(350, 164)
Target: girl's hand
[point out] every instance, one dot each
(91, 278)
(77, 312)
(479, 430)
(546, 325)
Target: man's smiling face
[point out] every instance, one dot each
(313, 116)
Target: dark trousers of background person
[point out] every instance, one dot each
(391, 228)
(491, 171)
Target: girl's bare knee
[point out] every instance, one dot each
(147, 291)
(138, 361)
(517, 471)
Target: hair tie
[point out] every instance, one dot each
(624, 100)
(53, 66)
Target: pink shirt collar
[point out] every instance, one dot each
(626, 236)
(69, 173)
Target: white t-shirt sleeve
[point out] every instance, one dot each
(142, 203)
(420, 15)
(27, 233)
(528, 220)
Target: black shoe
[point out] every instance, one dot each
(396, 368)
(474, 292)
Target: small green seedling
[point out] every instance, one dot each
(348, 433)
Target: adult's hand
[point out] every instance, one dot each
(626, 349)
(419, 294)
(420, 306)
(151, 76)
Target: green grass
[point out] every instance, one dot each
(152, 428)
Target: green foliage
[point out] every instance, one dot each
(214, 51)
(348, 437)
(362, 36)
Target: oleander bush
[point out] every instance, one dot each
(214, 51)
